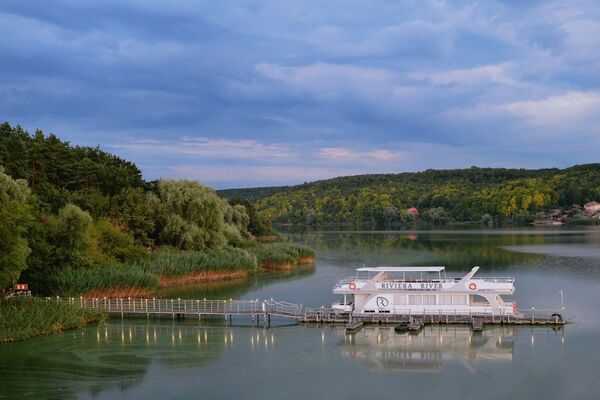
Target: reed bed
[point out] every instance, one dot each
(169, 267)
(25, 317)
(282, 255)
(103, 279)
(168, 262)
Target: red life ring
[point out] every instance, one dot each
(352, 285)
(472, 286)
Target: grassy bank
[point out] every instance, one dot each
(282, 255)
(170, 267)
(25, 317)
(174, 267)
(107, 280)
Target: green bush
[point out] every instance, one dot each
(115, 244)
(24, 317)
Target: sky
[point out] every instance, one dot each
(262, 93)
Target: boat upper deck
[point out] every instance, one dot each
(424, 278)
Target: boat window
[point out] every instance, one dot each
(429, 299)
(452, 300)
(478, 300)
(399, 299)
(415, 299)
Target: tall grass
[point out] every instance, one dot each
(70, 282)
(169, 262)
(281, 253)
(116, 279)
(24, 317)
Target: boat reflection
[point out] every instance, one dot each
(382, 348)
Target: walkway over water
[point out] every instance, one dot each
(265, 309)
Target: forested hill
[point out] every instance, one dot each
(439, 195)
(59, 173)
(251, 194)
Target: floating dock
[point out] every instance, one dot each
(262, 311)
(354, 326)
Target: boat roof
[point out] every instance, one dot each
(402, 269)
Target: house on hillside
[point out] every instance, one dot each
(413, 211)
(555, 214)
(591, 208)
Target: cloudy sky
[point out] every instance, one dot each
(249, 93)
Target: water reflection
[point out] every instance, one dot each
(380, 348)
(115, 355)
(188, 359)
(236, 288)
(122, 355)
(493, 250)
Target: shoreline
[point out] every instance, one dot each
(182, 280)
(166, 282)
(29, 317)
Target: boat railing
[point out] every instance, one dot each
(347, 280)
(495, 280)
(531, 314)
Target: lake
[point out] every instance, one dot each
(139, 358)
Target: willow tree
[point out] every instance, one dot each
(190, 215)
(70, 234)
(15, 217)
(236, 224)
(137, 210)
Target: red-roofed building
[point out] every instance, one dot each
(413, 211)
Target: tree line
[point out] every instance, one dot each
(489, 195)
(64, 206)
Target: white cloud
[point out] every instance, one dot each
(209, 148)
(328, 79)
(568, 108)
(225, 176)
(347, 154)
(384, 90)
(470, 76)
(561, 114)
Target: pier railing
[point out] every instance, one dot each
(185, 306)
(267, 308)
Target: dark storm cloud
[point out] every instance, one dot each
(340, 87)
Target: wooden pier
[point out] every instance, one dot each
(263, 310)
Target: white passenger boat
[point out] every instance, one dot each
(423, 290)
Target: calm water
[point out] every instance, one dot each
(183, 360)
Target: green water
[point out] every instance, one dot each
(189, 359)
